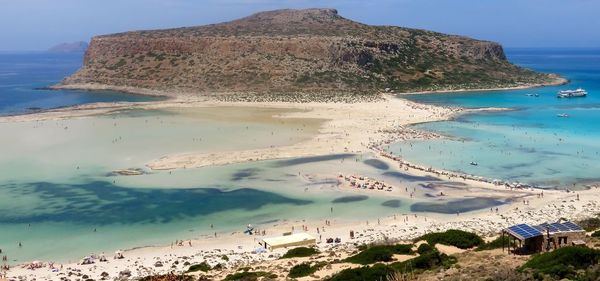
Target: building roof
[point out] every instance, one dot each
(289, 239)
(525, 231)
(559, 227)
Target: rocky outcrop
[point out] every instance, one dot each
(284, 52)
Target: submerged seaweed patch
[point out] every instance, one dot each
(102, 203)
(456, 206)
(311, 159)
(392, 203)
(243, 174)
(349, 199)
(377, 164)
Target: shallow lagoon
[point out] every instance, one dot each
(529, 143)
(57, 186)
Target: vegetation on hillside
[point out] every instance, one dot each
(249, 276)
(300, 252)
(199, 267)
(563, 263)
(429, 258)
(499, 242)
(453, 237)
(304, 269)
(590, 224)
(380, 253)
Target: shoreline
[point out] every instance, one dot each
(208, 95)
(557, 82)
(402, 227)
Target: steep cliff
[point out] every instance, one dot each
(297, 52)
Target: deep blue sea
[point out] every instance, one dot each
(23, 74)
(529, 143)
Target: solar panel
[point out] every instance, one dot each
(562, 227)
(572, 226)
(525, 231)
(550, 227)
(558, 227)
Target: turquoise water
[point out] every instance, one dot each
(528, 143)
(56, 185)
(23, 75)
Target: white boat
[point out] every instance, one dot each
(562, 115)
(572, 93)
(474, 163)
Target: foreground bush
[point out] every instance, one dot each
(590, 224)
(429, 258)
(300, 252)
(496, 244)
(303, 269)
(563, 262)
(168, 277)
(453, 237)
(380, 253)
(199, 267)
(379, 272)
(249, 276)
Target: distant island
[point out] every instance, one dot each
(73, 47)
(296, 55)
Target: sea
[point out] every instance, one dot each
(529, 142)
(24, 78)
(61, 200)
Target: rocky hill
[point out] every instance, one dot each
(296, 54)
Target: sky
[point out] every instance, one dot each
(39, 24)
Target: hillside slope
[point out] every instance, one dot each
(289, 53)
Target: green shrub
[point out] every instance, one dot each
(380, 253)
(169, 276)
(425, 248)
(563, 262)
(596, 233)
(199, 267)
(249, 276)
(453, 237)
(431, 258)
(303, 269)
(590, 224)
(496, 243)
(375, 272)
(300, 252)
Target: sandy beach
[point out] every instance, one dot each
(239, 248)
(362, 127)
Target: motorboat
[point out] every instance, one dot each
(572, 93)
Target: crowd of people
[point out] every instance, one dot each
(365, 183)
